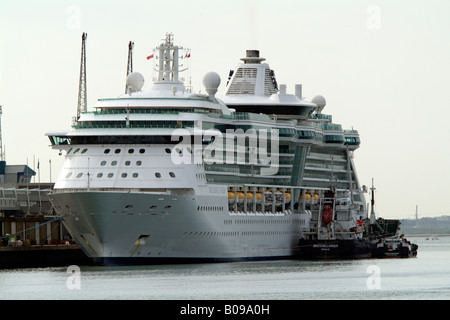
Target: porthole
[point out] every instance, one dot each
(157, 174)
(135, 175)
(80, 175)
(152, 208)
(83, 151)
(168, 151)
(113, 163)
(103, 163)
(107, 151)
(130, 151)
(127, 163)
(172, 174)
(76, 150)
(99, 175)
(138, 163)
(117, 151)
(124, 175)
(68, 175)
(128, 206)
(141, 150)
(110, 175)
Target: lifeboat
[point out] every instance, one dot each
(259, 197)
(250, 197)
(327, 213)
(231, 197)
(278, 196)
(268, 195)
(287, 197)
(307, 196)
(240, 196)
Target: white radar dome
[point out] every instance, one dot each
(135, 82)
(211, 81)
(319, 101)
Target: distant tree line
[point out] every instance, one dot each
(427, 225)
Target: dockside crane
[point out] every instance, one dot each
(130, 60)
(82, 92)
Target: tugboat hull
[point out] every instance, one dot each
(336, 249)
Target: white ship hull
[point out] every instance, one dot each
(120, 227)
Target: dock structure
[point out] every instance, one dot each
(31, 234)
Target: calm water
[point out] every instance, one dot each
(424, 277)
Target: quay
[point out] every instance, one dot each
(44, 256)
(31, 234)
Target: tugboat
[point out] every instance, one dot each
(338, 231)
(335, 231)
(398, 247)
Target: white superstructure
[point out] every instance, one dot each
(169, 175)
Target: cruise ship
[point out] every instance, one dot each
(167, 175)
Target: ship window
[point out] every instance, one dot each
(110, 175)
(168, 150)
(124, 175)
(138, 163)
(113, 163)
(141, 150)
(79, 175)
(78, 149)
(83, 151)
(135, 175)
(106, 151)
(128, 206)
(157, 174)
(131, 151)
(172, 174)
(103, 163)
(68, 175)
(99, 175)
(117, 151)
(127, 163)
(152, 208)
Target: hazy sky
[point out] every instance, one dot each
(383, 66)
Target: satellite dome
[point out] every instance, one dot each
(211, 81)
(135, 82)
(319, 101)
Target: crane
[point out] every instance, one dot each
(82, 93)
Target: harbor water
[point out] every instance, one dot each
(422, 278)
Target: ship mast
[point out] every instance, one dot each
(372, 204)
(168, 66)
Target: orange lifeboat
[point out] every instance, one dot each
(327, 214)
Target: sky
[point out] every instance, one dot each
(383, 67)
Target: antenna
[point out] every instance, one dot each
(82, 94)
(130, 61)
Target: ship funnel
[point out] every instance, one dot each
(298, 91)
(252, 56)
